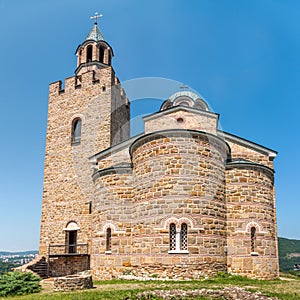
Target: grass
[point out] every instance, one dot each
(287, 289)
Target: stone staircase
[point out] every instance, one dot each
(39, 266)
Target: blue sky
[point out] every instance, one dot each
(241, 56)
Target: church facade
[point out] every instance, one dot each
(181, 200)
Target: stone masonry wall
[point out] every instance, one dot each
(240, 151)
(114, 158)
(68, 188)
(120, 115)
(250, 203)
(181, 119)
(177, 177)
(113, 209)
(63, 266)
(73, 282)
(180, 172)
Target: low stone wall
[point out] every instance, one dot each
(73, 282)
(176, 268)
(180, 271)
(230, 293)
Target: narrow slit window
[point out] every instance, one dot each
(253, 238)
(76, 131)
(108, 239)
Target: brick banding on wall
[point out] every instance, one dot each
(181, 200)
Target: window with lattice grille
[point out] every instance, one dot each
(253, 238)
(172, 236)
(178, 239)
(183, 237)
(108, 239)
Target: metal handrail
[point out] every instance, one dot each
(62, 245)
(68, 249)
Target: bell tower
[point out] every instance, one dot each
(87, 113)
(94, 53)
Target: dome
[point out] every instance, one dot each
(185, 98)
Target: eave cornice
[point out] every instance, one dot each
(180, 108)
(246, 143)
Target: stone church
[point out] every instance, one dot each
(181, 200)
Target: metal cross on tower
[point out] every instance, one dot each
(184, 87)
(96, 17)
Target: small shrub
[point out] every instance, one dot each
(295, 273)
(221, 274)
(17, 283)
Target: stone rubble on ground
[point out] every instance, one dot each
(228, 293)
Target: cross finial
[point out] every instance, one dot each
(96, 17)
(184, 87)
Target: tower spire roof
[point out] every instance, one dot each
(95, 34)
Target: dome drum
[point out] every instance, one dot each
(185, 98)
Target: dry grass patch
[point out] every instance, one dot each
(285, 289)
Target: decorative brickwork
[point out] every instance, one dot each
(182, 200)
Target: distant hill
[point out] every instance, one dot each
(19, 253)
(289, 253)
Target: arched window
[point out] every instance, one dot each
(71, 237)
(80, 57)
(101, 54)
(109, 58)
(89, 53)
(178, 238)
(172, 236)
(184, 103)
(72, 241)
(183, 237)
(253, 238)
(108, 240)
(76, 131)
(90, 207)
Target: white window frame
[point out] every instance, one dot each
(178, 239)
